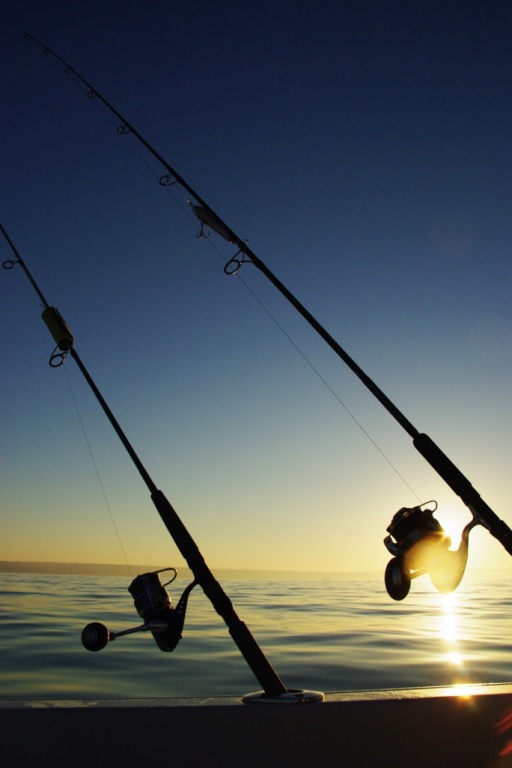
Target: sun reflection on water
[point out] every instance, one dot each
(454, 658)
(450, 634)
(449, 620)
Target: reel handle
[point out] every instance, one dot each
(153, 604)
(96, 636)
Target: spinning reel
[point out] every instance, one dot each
(153, 604)
(421, 546)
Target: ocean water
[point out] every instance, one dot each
(323, 635)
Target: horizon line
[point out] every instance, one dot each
(123, 569)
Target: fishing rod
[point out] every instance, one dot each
(448, 471)
(151, 599)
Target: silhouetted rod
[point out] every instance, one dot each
(257, 661)
(429, 450)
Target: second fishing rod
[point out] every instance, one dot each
(455, 479)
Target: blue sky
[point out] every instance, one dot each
(365, 152)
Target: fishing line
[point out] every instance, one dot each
(106, 113)
(285, 334)
(9, 264)
(212, 244)
(95, 636)
(167, 187)
(313, 368)
(430, 451)
(91, 454)
(124, 129)
(328, 386)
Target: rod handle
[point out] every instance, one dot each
(463, 488)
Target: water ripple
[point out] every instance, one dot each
(345, 635)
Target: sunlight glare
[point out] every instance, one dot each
(448, 630)
(463, 691)
(449, 621)
(454, 658)
(453, 523)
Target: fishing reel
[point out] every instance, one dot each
(420, 545)
(154, 605)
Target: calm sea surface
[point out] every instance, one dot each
(322, 635)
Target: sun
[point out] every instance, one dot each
(453, 522)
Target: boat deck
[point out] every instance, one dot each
(462, 726)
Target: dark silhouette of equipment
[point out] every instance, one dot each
(154, 605)
(420, 545)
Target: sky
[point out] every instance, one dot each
(364, 150)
